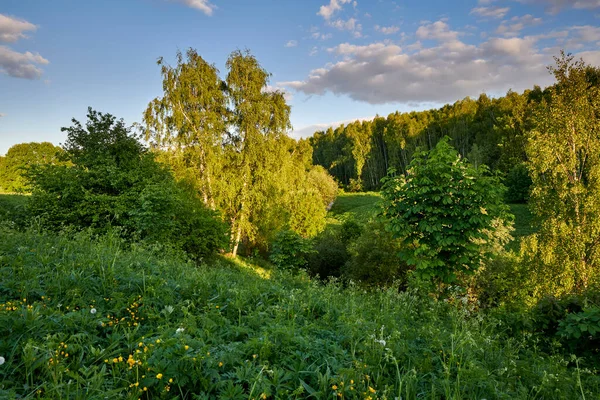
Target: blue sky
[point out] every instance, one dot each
(339, 60)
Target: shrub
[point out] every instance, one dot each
(330, 254)
(113, 181)
(374, 258)
(446, 213)
(290, 250)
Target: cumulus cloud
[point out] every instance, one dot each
(21, 65)
(327, 11)
(203, 5)
(387, 30)
(12, 29)
(515, 25)
(291, 43)
(490, 12)
(386, 73)
(438, 30)
(555, 6)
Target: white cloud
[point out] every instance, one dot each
(21, 65)
(438, 30)
(387, 30)
(203, 5)
(515, 25)
(351, 25)
(291, 43)
(555, 6)
(590, 57)
(387, 73)
(11, 29)
(309, 130)
(490, 12)
(313, 51)
(2, 115)
(334, 5)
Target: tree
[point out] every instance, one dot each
(20, 158)
(112, 180)
(191, 117)
(228, 137)
(564, 164)
(448, 215)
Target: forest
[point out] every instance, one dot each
(452, 253)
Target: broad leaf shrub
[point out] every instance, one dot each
(447, 214)
(374, 258)
(87, 319)
(113, 181)
(290, 250)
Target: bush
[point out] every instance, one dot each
(330, 254)
(446, 212)
(113, 181)
(290, 250)
(374, 258)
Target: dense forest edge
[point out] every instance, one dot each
(451, 253)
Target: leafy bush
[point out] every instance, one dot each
(374, 258)
(114, 182)
(582, 330)
(446, 212)
(290, 250)
(330, 254)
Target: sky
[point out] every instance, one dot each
(337, 60)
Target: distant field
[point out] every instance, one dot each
(363, 206)
(358, 206)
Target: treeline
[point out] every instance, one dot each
(490, 131)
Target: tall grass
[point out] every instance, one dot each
(86, 319)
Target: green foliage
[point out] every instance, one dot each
(582, 330)
(330, 254)
(223, 331)
(486, 131)
(564, 162)
(518, 183)
(447, 214)
(19, 159)
(13, 209)
(374, 258)
(228, 138)
(290, 250)
(114, 182)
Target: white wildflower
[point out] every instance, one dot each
(93, 311)
(179, 330)
(2, 360)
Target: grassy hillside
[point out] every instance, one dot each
(87, 320)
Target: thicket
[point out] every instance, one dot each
(109, 181)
